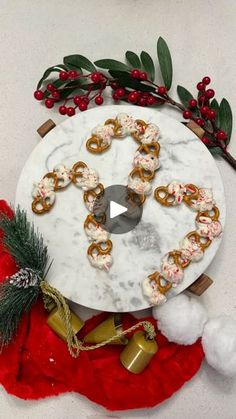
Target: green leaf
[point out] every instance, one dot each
(133, 59)
(79, 61)
(215, 151)
(110, 64)
(215, 106)
(148, 64)
(165, 62)
(49, 70)
(226, 118)
(125, 80)
(184, 95)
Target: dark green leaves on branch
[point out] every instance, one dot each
(79, 61)
(184, 95)
(133, 59)
(215, 106)
(125, 80)
(110, 64)
(148, 65)
(165, 62)
(46, 74)
(226, 118)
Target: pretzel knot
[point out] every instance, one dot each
(116, 127)
(162, 195)
(141, 125)
(203, 242)
(143, 174)
(91, 195)
(100, 249)
(176, 255)
(43, 203)
(96, 145)
(77, 170)
(212, 214)
(152, 148)
(162, 283)
(191, 195)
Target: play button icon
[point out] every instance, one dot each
(118, 209)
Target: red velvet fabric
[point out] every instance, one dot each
(37, 364)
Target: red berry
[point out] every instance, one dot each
(201, 86)
(210, 93)
(133, 97)
(62, 110)
(96, 77)
(192, 103)
(49, 103)
(56, 94)
(38, 94)
(143, 75)
(77, 100)
(142, 101)
(63, 75)
(161, 90)
(114, 85)
(187, 114)
(50, 87)
(73, 74)
(83, 106)
(206, 80)
(99, 100)
(115, 97)
(120, 92)
(85, 99)
(205, 140)
(70, 111)
(199, 121)
(151, 100)
(135, 73)
(204, 110)
(211, 114)
(202, 100)
(221, 135)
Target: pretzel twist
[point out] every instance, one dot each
(97, 249)
(214, 216)
(162, 283)
(193, 235)
(162, 195)
(152, 148)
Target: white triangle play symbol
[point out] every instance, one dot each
(116, 209)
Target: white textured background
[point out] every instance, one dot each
(201, 35)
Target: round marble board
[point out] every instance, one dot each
(137, 253)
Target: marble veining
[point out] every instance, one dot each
(139, 252)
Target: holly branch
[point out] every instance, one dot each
(79, 82)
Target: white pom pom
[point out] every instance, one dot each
(219, 344)
(181, 319)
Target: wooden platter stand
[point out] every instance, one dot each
(204, 281)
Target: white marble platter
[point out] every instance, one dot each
(139, 252)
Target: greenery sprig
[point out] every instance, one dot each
(20, 291)
(80, 82)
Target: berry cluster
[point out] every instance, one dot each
(135, 96)
(53, 94)
(201, 112)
